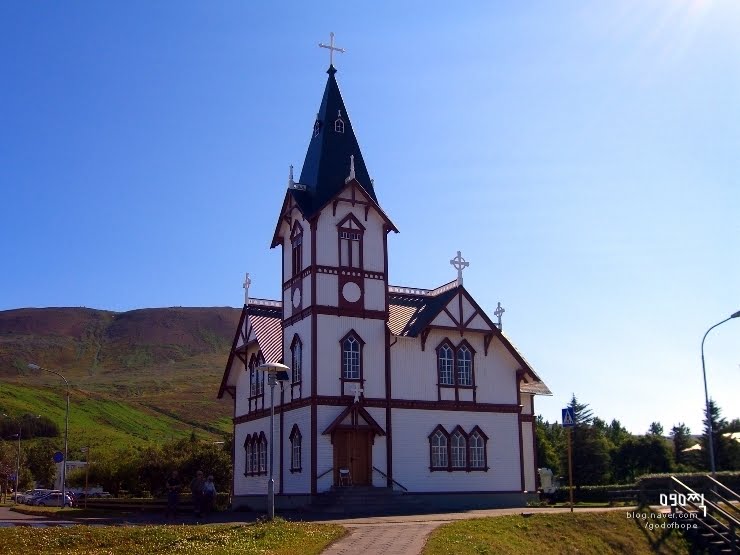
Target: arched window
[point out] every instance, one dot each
(248, 447)
(295, 449)
(445, 364)
(296, 241)
(256, 379)
(255, 451)
(296, 355)
(339, 125)
(477, 451)
(438, 442)
(262, 449)
(351, 357)
(350, 242)
(464, 366)
(458, 450)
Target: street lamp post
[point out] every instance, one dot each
(276, 372)
(706, 394)
(66, 430)
(18, 457)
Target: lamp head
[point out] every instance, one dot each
(280, 371)
(33, 366)
(736, 315)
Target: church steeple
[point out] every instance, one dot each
(330, 153)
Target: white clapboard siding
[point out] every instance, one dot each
(297, 482)
(411, 429)
(249, 485)
(332, 330)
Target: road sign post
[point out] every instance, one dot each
(569, 421)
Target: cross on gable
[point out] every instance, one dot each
(499, 312)
(331, 48)
(245, 285)
(459, 263)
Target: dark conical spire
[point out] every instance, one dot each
(333, 142)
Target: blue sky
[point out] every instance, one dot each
(584, 158)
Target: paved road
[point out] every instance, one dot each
(386, 539)
(11, 518)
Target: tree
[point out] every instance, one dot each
(681, 436)
(617, 434)
(583, 415)
(642, 455)
(547, 449)
(655, 429)
(726, 450)
(40, 463)
(590, 448)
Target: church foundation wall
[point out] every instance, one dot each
(417, 503)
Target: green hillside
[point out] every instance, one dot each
(139, 376)
(94, 420)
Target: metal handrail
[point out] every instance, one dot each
(714, 506)
(324, 473)
(728, 534)
(384, 475)
(730, 504)
(724, 487)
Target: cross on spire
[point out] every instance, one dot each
(245, 285)
(331, 48)
(459, 263)
(498, 312)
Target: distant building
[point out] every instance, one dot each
(396, 386)
(71, 465)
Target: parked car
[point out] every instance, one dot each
(53, 499)
(22, 496)
(34, 494)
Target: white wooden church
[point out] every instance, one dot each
(398, 387)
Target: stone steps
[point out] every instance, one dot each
(365, 500)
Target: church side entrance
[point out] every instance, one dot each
(353, 450)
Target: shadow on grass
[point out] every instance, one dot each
(658, 540)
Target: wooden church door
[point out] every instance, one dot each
(352, 449)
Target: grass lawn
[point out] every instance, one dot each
(597, 533)
(277, 538)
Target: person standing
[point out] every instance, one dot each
(173, 486)
(209, 494)
(196, 490)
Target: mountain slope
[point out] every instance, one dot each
(160, 364)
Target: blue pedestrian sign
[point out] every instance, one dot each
(569, 418)
(58, 457)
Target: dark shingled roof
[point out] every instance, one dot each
(408, 315)
(410, 311)
(327, 161)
